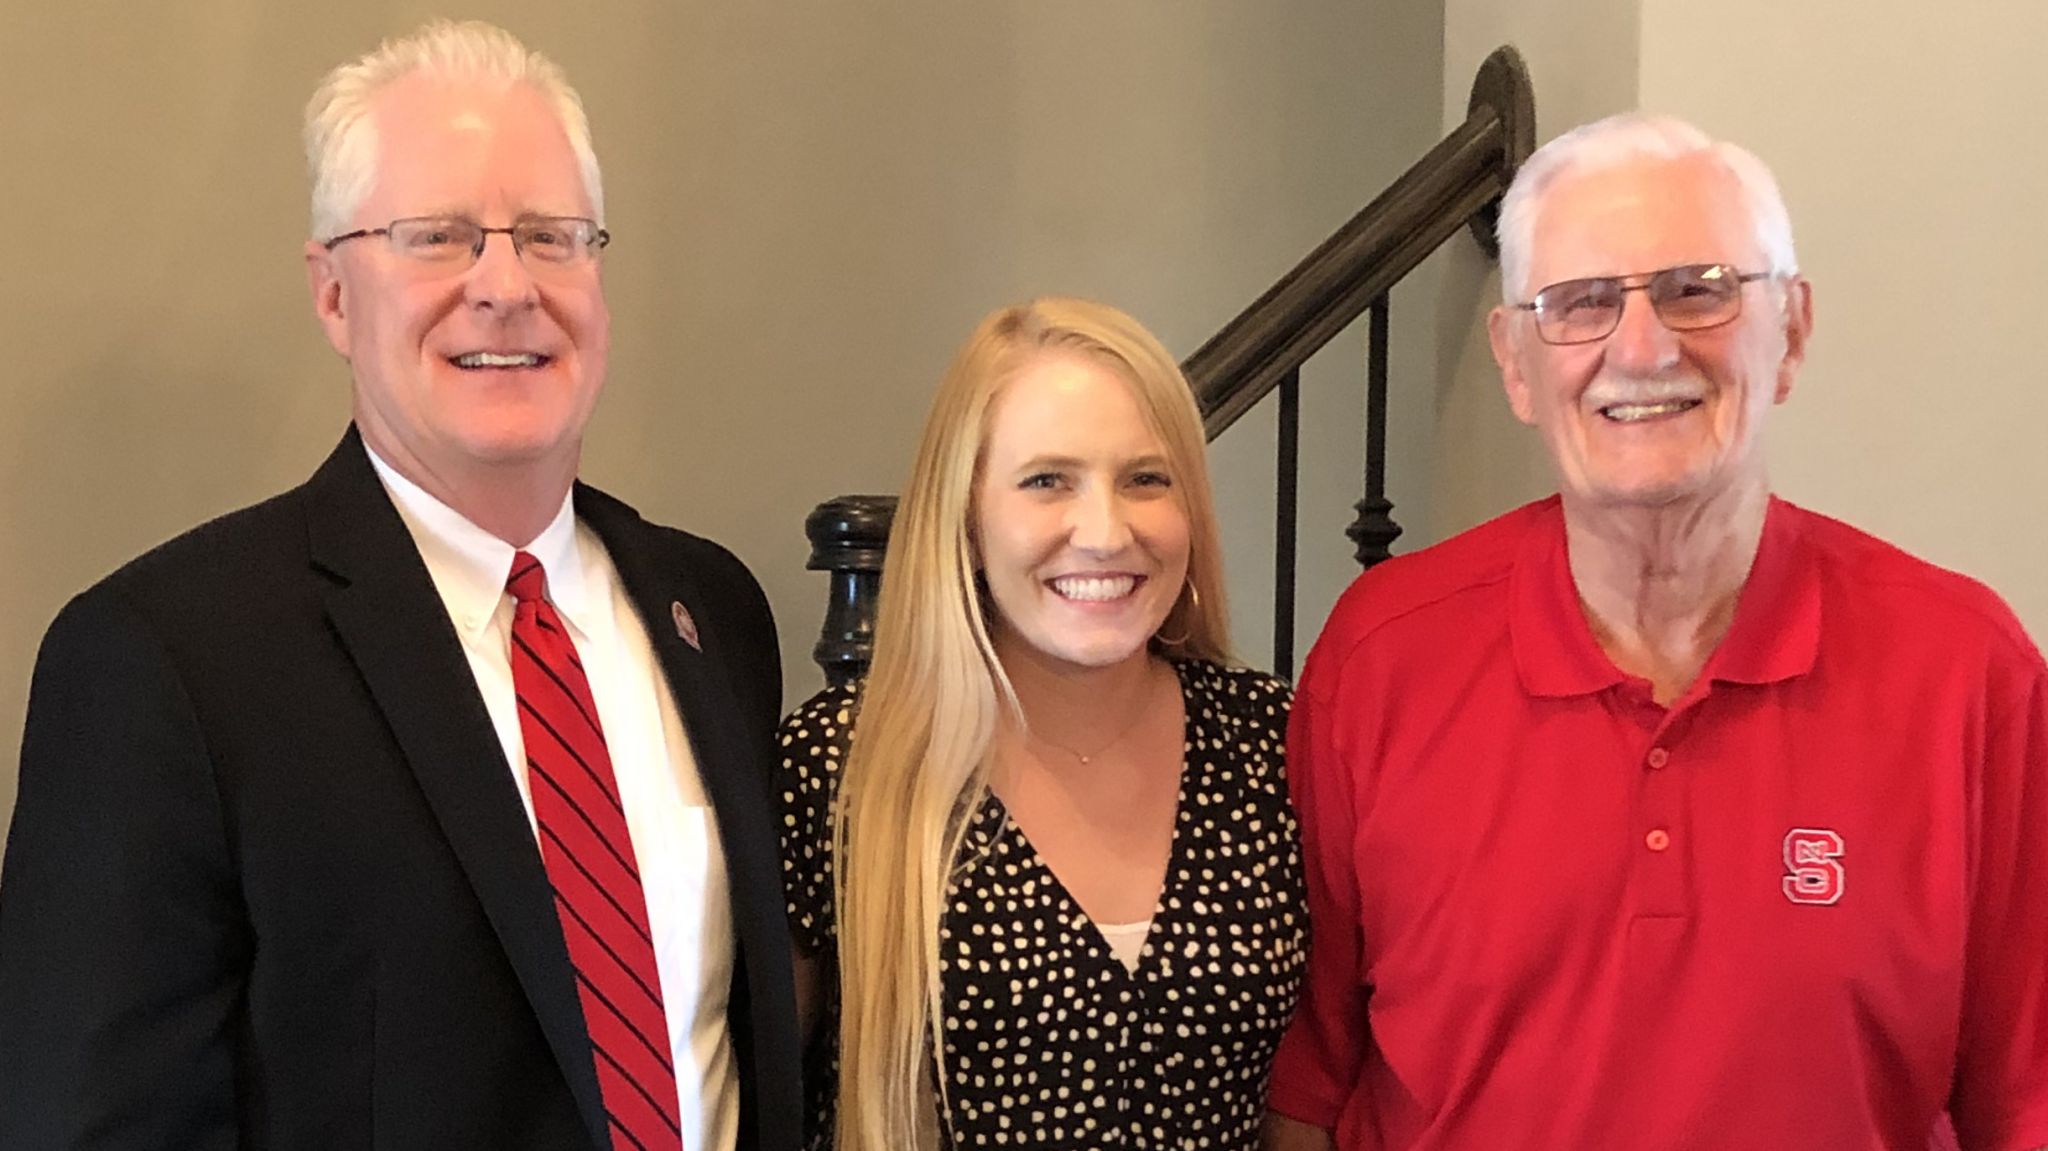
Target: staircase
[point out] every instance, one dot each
(1455, 185)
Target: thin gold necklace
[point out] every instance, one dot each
(1137, 713)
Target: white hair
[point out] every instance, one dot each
(1618, 140)
(341, 136)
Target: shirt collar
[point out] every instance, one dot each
(1776, 632)
(1774, 636)
(1555, 652)
(469, 565)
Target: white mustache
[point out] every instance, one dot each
(1606, 391)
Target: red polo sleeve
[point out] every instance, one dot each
(1316, 1070)
(2000, 1100)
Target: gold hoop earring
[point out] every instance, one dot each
(1194, 605)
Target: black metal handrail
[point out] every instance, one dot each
(1457, 184)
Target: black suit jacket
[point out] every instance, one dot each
(270, 882)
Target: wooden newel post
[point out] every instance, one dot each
(848, 537)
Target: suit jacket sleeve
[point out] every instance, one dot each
(122, 938)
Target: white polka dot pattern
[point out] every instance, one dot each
(1050, 1041)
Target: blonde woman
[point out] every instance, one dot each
(1041, 864)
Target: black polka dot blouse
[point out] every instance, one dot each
(1050, 1041)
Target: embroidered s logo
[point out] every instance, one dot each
(1813, 859)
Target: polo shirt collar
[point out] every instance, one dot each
(1774, 636)
(469, 565)
(1776, 633)
(1555, 652)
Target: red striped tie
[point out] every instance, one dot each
(590, 863)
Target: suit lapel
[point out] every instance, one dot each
(656, 580)
(390, 619)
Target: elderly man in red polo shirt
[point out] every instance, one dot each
(1663, 813)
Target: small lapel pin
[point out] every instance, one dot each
(686, 628)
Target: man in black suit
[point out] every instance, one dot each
(306, 852)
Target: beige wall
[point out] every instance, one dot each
(1913, 151)
(1581, 56)
(1910, 151)
(812, 202)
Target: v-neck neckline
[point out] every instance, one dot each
(992, 823)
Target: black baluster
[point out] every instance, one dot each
(1374, 531)
(849, 536)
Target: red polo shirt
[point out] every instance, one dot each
(1805, 905)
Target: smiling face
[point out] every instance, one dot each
(1648, 417)
(1082, 537)
(465, 372)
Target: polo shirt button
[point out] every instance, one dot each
(1659, 757)
(1657, 840)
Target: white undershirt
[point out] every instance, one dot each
(675, 838)
(1126, 941)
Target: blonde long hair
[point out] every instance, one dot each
(918, 768)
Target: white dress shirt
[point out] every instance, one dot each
(675, 837)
